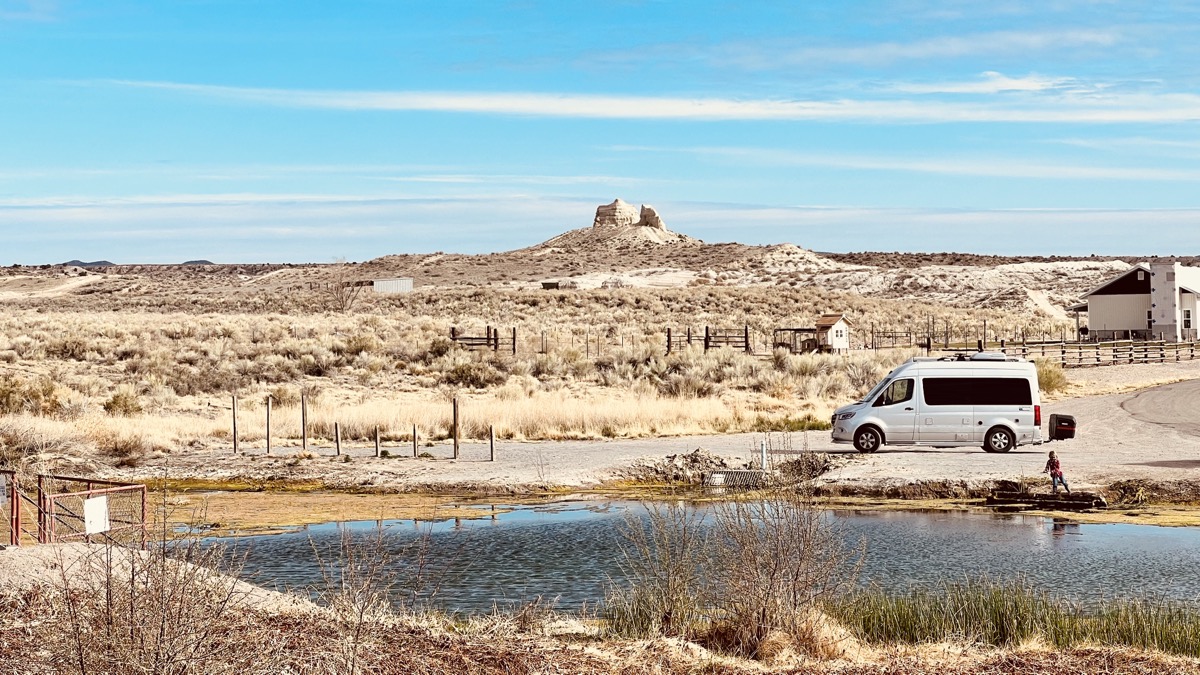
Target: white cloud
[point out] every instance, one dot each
(976, 166)
(1111, 108)
(992, 82)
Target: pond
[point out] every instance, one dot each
(569, 551)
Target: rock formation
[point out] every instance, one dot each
(623, 214)
(650, 218)
(616, 214)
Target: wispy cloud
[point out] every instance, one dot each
(1162, 108)
(992, 82)
(28, 10)
(773, 56)
(977, 166)
(515, 179)
(1140, 144)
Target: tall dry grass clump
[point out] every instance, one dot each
(1010, 613)
(746, 577)
(1051, 378)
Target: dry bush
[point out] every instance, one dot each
(666, 558)
(176, 609)
(125, 402)
(778, 560)
(748, 578)
(21, 395)
(1051, 378)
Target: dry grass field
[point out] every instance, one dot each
(132, 360)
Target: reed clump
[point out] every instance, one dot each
(1011, 613)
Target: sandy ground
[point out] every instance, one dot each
(55, 565)
(1151, 433)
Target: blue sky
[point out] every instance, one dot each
(299, 131)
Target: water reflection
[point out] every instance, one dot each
(570, 551)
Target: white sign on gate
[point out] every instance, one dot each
(95, 515)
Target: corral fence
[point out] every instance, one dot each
(490, 340)
(1085, 354)
(68, 508)
(713, 338)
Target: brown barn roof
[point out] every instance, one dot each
(827, 321)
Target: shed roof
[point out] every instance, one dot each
(829, 320)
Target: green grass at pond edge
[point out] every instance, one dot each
(1006, 614)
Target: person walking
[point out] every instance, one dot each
(1054, 468)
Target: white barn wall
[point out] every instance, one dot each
(1117, 312)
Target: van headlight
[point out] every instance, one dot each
(845, 416)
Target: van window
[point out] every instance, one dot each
(976, 391)
(899, 392)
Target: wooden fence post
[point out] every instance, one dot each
(514, 351)
(668, 339)
(337, 438)
(269, 397)
(235, 424)
(454, 427)
(706, 338)
(303, 422)
(748, 349)
(377, 440)
(492, 442)
(414, 440)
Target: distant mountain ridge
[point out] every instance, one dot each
(94, 263)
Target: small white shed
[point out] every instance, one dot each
(397, 285)
(833, 333)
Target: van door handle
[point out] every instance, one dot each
(910, 408)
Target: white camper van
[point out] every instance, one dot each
(989, 400)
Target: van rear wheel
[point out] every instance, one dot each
(867, 439)
(999, 439)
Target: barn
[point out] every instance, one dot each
(1149, 301)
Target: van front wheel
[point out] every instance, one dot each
(999, 439)
(867, 439)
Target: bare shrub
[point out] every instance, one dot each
(344, 287)
(666, 559)
(176, 609)
(748, 578)
(779, 558)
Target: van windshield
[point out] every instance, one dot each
(877, 388)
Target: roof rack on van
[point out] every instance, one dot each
(977, 356)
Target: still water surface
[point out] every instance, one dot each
(571, 550)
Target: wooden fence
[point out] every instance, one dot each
(1085, 354)
(734, 338)
(491, 339)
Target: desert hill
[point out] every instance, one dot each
(625, 246)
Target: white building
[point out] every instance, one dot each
(1149, 301)
(391, 286)
(833, 333)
